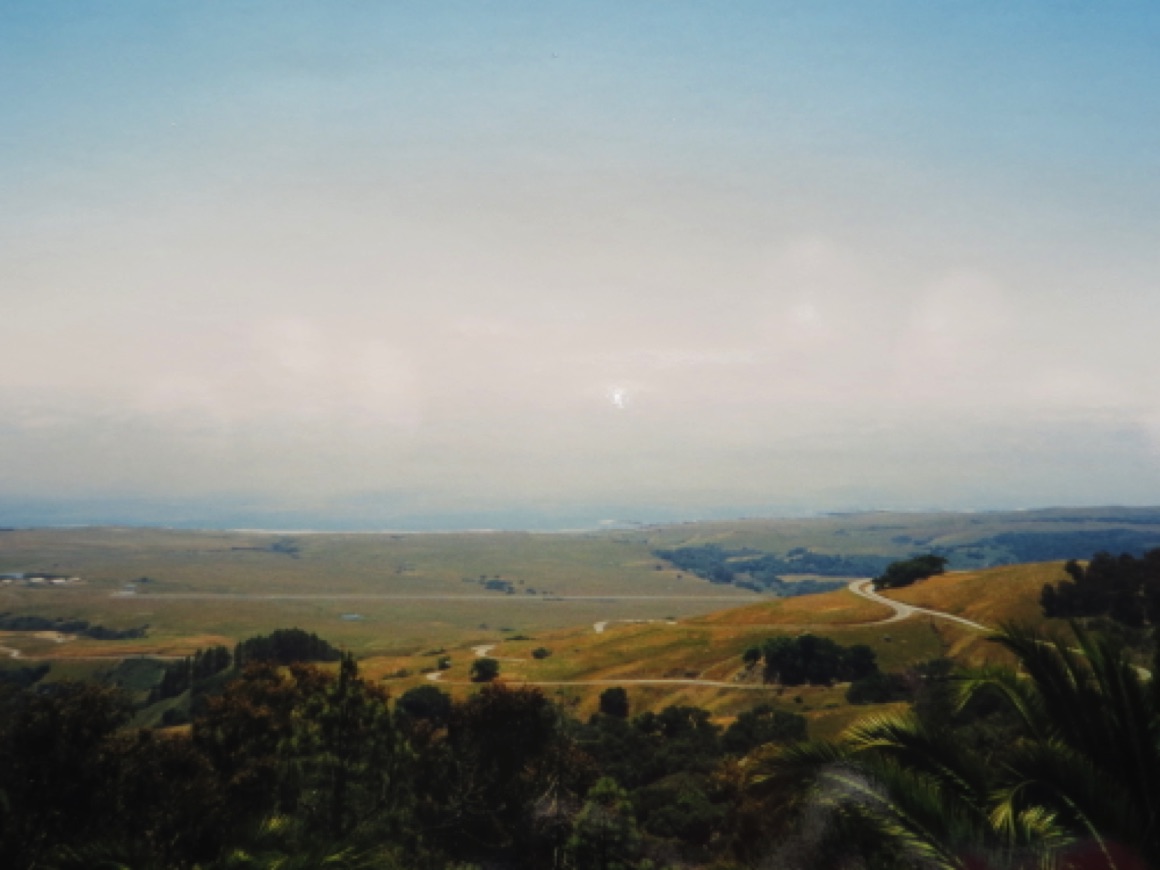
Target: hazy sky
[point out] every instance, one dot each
(516, 258)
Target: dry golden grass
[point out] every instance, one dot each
(686, 650)
(831, 608)
(990, 597)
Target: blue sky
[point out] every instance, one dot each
(472, 260)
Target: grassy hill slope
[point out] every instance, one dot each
(585, 662)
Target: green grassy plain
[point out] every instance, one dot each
(215, 587)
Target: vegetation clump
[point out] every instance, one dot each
(1124, 588)
(13, 622)
(815, 660)
(910, 571)
(760, 726)
(180, 676)
(484, 670)
(614, 702)
(285, 646)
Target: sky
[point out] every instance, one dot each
(525, 264)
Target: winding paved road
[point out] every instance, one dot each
(902, 611)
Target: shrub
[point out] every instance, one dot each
(484, 670)
(899, 574)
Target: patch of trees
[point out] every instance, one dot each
(1124, 588)
(181, 676)
(760, 726)
(670, 766)
(13, 622)
(285, 646)
(308, 767)
(1011, 548)
(815, 660)
(295, 765)
(752, 569)
(910, 571)
(914, 683)
(1049, 547)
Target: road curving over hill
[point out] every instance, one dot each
(864, 589)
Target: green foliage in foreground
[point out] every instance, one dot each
(182, 675)
(1057, 766)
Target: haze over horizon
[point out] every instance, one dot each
(449, 262)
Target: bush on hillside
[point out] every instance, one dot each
(1124, 588)
(484, 670)
(905, 573)
(816, 660)
(761, 725)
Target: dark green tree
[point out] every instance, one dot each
(425, 703)
(285, 646)
(909, 571)
(349, 755)
(815, 660)
(244, 732)
(761, 725)
(484, 670)
(614, 702)
(55, 763)
(508, 762)
(604, 834)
